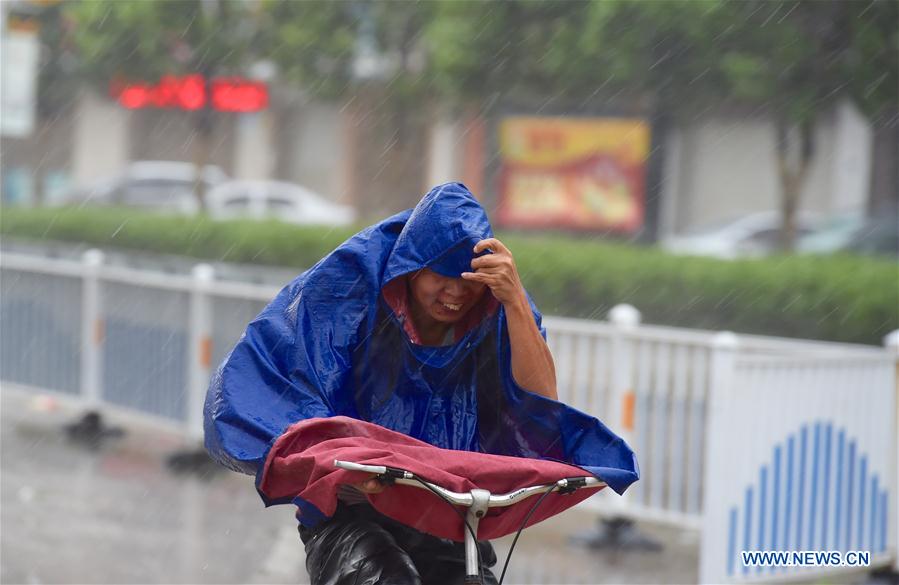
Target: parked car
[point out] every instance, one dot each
(855, 233)
(162, 185)
(756, 234)
(276, 200)
(878, 237)
(832, 234)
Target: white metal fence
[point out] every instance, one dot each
(147, 341)
(135, 339)
(816, 473)
(651, 384)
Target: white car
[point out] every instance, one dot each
(276, 200)
(161, 185)
(757, 234)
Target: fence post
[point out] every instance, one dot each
(619, 531)
(200, 354)
(891, 344)
(625, 319)
(92, 331)
(713, 561)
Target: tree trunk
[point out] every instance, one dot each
(793, 170)
(44, 131)
(286, 132)
(884, 187)
(660, 126)
(203, 121)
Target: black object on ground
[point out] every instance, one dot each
(617, 534)
(91, 431)
(882, 576)
(194, 461)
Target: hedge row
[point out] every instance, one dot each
(836, 298)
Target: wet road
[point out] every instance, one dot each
(119, 515)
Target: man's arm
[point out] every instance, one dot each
(532, 362)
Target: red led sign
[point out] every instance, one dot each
(231, 94)
(238, 95)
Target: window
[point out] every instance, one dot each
(277, 204)
(237, 203)
(156, 192)
(767, 240)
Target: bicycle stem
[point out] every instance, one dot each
(480, 500)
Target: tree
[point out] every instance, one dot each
(875, 60)
(312, 43)
(369, 57)
(121, 41)
(332, 48)
(798, 59)
(670, 60)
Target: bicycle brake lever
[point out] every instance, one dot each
(391, 474)
(394, 473)
(571, 484)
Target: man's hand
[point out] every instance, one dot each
(370, 486)
(498, 272)
(532, 363)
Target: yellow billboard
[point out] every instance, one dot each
(579, 173)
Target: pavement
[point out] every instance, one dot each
(118, 514)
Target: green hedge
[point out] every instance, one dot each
(837, 298)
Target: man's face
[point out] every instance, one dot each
(442, 298)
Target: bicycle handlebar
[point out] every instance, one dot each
(403, 477)
(477, 501)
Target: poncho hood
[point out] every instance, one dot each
(440, 234)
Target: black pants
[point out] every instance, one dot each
(359, 546)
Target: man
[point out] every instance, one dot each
(419, 324)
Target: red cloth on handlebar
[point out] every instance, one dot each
(300, 465)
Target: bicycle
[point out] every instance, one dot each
(477, 501)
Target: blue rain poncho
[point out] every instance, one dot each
(337, 341)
